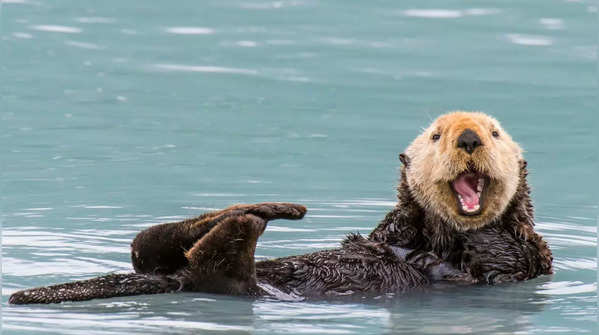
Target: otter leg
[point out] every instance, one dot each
(160, 249)
(223, 260)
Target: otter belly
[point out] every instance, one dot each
(360, 266)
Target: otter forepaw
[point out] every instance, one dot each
(527, 234)
(446, 272)
(524, 232)
(546, 257)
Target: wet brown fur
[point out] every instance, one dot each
(417, 243)
(507, 249)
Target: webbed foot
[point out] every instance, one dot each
(223, 260)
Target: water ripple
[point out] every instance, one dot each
(84, 45)
(129, 322)
(272, 4)
(544, 225)
(206, 69)
(99, 242)
(16, 2)
(448, 13)
(39, 209)
(567, 240)
(314, 318)
(97, 206)
(60, 266)
(575, 263)
(530, 40)
(190, 30)
(567, 288)
(552, 23)
(22, 35)
(271, 228)
(247, 44)
(57, 29)
(95, 19)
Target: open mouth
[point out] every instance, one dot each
(468, 188)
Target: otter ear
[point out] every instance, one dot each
(523, 170)
(404, 159)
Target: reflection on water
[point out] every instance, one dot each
(145, 315)
(121, 115)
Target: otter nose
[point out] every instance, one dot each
(468, 141)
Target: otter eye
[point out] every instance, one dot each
(436, 137)
(495, 133)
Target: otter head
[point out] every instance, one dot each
(463, 168)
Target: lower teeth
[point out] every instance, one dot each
(465, 208)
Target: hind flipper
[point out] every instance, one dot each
(271, 210)
(223, 260)
(112, 285)
(160, 249)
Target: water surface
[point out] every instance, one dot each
(117, 115)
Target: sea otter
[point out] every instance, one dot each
(464, 215)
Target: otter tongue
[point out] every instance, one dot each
(465, 185)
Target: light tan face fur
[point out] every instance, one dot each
(433, 165)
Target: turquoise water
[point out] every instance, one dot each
(117, 115)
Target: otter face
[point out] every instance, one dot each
(465, 168)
